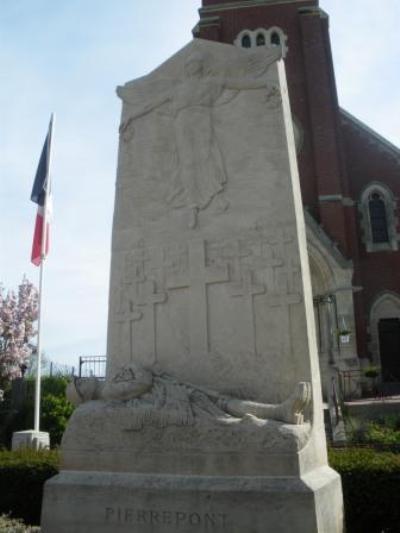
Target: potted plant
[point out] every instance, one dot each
(371, 372)
(344, 336)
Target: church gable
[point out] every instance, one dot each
(354, 126)
(371, 160)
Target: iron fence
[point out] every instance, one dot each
(92, 366)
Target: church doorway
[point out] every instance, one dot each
(389, 347)
(385, 336)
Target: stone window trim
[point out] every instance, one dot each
(267, 36)
(390, 202)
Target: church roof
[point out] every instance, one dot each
(227, 4)
(375, 137)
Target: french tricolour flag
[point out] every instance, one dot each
(41, 195)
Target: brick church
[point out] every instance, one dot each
(350, 180)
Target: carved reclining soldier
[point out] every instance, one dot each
(151, 392)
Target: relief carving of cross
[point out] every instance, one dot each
(146, 299)
(197, 280)
(247, 290)
(125, 317)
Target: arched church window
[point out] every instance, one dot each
(260, 41)
(378, 219)
(264, 37)
(246, 41)
(275, 38)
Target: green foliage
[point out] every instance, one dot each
(383, 431)
(371, 371)
(370, 482)
(380, 434)
(54, 385)
(22, 476)
(55, 410)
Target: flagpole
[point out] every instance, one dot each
(40, 301)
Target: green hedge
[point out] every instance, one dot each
(371, 489)
(371, 486)
(22, 476)
(55, 411)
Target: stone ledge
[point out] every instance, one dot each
(109, 502)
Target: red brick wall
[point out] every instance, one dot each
(368, 161)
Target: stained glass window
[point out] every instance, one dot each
(378, 218)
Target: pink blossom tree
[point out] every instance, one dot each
(18, 313)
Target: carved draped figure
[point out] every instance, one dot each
(200, 172)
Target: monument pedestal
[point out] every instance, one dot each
(103, 502)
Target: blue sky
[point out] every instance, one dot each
(68, 57)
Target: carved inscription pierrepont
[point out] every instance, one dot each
(182, 520)
(255, 269)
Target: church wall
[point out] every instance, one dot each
(369, 161)
(325, 128)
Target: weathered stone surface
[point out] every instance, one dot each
(146, 417)
(206, 277)
(107, 502)
(30, 439)
(210, 291)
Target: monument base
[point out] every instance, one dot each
(105, 502)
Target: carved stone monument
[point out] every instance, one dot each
(210, 419)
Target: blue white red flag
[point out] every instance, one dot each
(41, 195)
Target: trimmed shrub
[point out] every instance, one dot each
(371, 482)
(55, 410)
(382, 432)
(22, 476)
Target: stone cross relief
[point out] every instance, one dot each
(197, 280)
(247, 290)
(139, 305)
(253, 270)
(136, 301)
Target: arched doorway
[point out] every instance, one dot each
(325, 314)
(385, 335)
(331, 278)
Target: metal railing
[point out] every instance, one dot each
(350, 383)
(92, 366)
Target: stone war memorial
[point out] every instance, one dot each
(210, 419)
